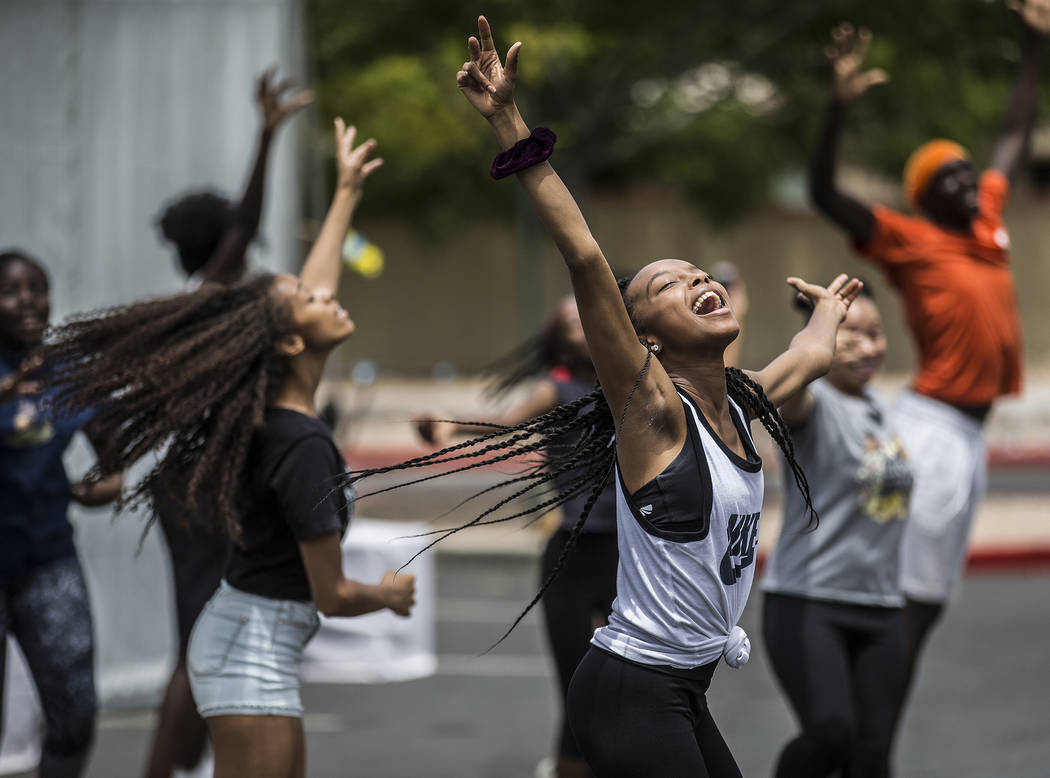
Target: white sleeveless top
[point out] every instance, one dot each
(687, 550)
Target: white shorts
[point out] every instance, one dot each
(244, 654)
(946, 450)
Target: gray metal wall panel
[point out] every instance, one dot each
(107, 110)
(112, 108)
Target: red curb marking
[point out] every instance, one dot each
(1008, 457)
(985, 559)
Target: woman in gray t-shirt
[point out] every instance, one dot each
(831, 617)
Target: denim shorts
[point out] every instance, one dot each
(244, 654)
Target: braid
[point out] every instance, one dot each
(751, 396)
(559, 563)
(577, 440)
(188, 376)
(553, 424)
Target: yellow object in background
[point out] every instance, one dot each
(364, 257)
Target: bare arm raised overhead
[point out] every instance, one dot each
(1020, 113)
(846, 52)
(655, 422)
(229, 262)
(323, 264)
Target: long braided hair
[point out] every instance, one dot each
(189, 376)
(567, 470)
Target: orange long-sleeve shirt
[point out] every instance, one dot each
(959, 298)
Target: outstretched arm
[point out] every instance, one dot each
(1020, 113)
(229, 262)
(812, 349)
(324, 263)
(846, 52)
(336, 595)
(616, 352)
(92, 494)
(542, 398)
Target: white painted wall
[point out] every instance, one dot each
(109, 108)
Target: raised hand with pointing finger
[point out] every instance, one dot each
(486, 82)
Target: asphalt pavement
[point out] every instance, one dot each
(980, 709)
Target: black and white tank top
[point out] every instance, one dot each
(687, 550)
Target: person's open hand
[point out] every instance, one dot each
(273, 104)
(846, 52)
(353, 164)
(1036, 13)
(483, 79)
(839, 294)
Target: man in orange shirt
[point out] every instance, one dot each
(951, 266)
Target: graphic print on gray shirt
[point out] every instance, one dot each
(860, 481)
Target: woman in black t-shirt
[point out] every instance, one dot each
(221, 381)
(211, 237)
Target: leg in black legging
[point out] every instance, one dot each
(918, 621)
(633, 722)
(717, 757)
(810, 658)
(878, 679)
(50, 617)
(576, 602)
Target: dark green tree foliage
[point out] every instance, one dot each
(712, 96)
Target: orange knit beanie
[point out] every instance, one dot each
(924, 162)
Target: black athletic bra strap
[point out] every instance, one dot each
(676, 504)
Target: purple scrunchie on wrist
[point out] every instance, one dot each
(524, 154)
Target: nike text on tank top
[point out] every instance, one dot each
(687, 551)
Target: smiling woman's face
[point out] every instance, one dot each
(316, 316)
(25, 304)
(681, 308)
(860, 347)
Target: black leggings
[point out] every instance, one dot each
(48, 614)
(578, 601)
(635, 722)
(842, 668)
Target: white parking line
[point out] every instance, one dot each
(136, 720)
(468, 610)
(505, 666)
(147, 720)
